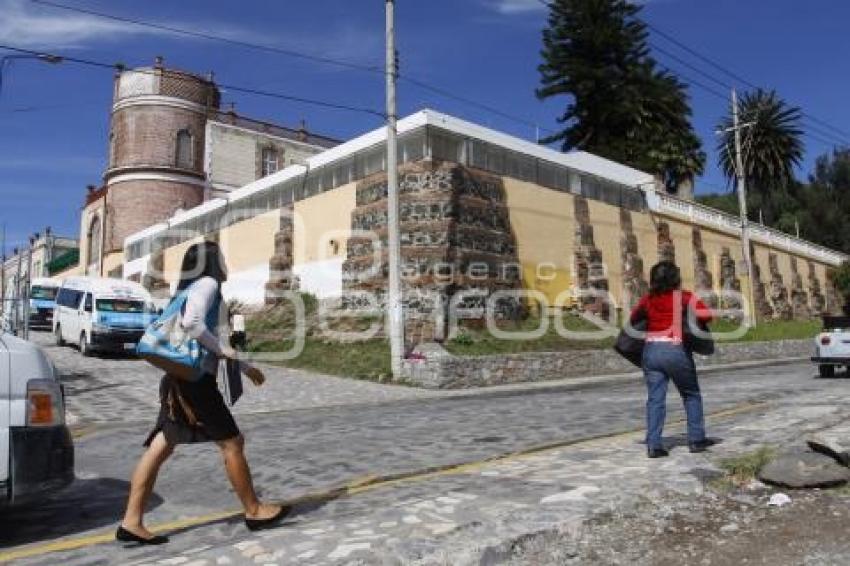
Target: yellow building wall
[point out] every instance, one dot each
(543, 222)
(320, 219)
(249, 243)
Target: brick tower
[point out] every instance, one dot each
(156, 148)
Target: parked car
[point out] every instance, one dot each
(103, 315)
(832, 345)
(36, 450)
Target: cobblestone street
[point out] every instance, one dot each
(381, 472)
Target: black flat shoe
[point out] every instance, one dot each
(701, 446)
(260, 524)
(657, 453)
(124, 535)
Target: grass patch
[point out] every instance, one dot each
(271, 330)
(474, 340)
(369, 359)
(772, 330)
(740, 470)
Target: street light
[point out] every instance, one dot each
(44, 57)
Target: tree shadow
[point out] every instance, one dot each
(87, 504)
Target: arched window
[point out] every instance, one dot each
(184, 153)
(270, 161)
(94, 240)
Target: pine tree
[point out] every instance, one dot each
(622, 106)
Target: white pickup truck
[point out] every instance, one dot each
(36, 450)
(832, 345)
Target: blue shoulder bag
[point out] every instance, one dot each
(168, 346)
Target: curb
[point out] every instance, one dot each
(591, 382)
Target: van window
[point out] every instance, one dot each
(69, 298)
(120, 305)
(88, 304)
(46, 293)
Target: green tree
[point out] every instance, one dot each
(621, 105)
(771, 148)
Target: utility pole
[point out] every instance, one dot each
(16, 304)
(28, 290)
(742, 205)
(394, 299)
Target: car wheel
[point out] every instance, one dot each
(57, 334)
(84, 345)
(826, 370)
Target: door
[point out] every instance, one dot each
(70, 318)
(86, 316)
(5, 410)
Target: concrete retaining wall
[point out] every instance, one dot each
(441, 370)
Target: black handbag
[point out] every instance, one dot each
(630, 347)
(702, 345)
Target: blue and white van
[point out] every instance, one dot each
(102, 315)
(42, 301)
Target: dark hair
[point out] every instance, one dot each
(201, 260)
(663, 277)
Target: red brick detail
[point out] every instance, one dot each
(135, 205)
(146, 136)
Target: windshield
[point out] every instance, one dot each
(121, 305)
(46, 293)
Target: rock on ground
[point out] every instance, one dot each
(804, 469)
(834, 442)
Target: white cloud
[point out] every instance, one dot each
(30, 26)
(511, 7)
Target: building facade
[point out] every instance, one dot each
(171, 149)
(47, 255)
(483, 215)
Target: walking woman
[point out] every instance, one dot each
(195, 411)
(666, 355)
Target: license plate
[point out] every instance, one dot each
(130, 346)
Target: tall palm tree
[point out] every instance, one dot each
(771, 148)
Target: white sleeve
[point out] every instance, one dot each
(202, 295)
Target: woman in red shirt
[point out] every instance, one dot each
(666, 355)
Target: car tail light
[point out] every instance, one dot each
(44, 403)
(825, 340)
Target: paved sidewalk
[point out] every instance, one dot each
(121, 390)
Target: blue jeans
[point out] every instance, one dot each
(663, 361)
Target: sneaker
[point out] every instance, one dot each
(657, 453)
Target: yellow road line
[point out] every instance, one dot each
(357, 486)
(91, 540)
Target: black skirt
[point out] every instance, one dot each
(192, 412)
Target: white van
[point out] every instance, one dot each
(42, 299)
(36, 450)
(104, 315)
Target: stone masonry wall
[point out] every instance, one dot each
(634, 280)
(589, 263)
(455, 237)
(281, 277)
(460, 372)
(704, 282)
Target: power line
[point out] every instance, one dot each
(208, 36)
(235, 88)
(300, 55)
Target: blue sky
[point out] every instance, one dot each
(54, 118)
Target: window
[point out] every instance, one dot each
(69, 298)
(94, 237)
(270, 162)
(184, 156)
(88, 304)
